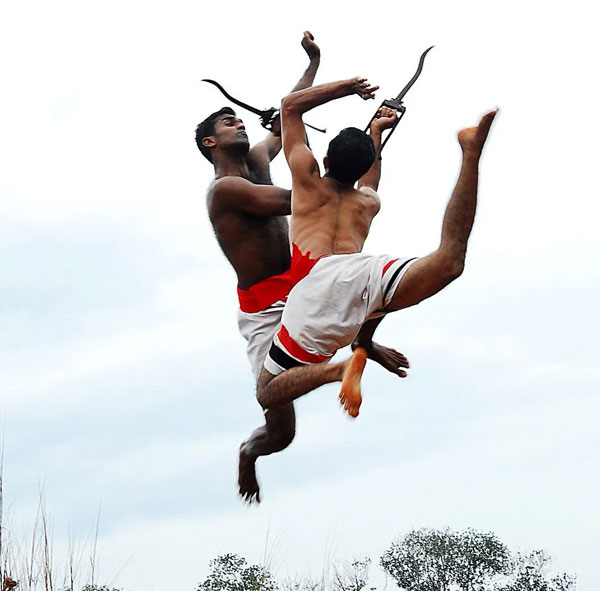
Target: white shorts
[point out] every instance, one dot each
(326, 309)
(259, 316)
(259, 329)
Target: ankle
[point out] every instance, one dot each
(337, 370)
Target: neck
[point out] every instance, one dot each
(338, 185)
(232, 166)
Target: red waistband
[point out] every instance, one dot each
(295, 350)
(261, 295)
(301, 264)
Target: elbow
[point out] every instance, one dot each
(289, 104)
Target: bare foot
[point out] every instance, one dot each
(249, 489)
(390, 359)
(309, 45)
(350, 392)
(472, 139)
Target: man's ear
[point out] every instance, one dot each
(209, 142)
(326, 162)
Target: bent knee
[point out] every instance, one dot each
(262, 396)
(262, 389)
(452, 266)
(456, 269)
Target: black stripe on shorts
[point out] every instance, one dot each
(396, 273)
(282, 359)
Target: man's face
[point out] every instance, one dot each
(230, 134)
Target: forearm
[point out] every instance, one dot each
(309, 75)
(304, 100)
(373, 175)
(364, 338)
(273, 140)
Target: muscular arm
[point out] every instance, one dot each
(266, 150)
(385, 119)
(239, 194)
(309, 98)
(293, 106)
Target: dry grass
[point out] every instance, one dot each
(27, 561)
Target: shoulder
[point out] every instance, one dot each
(226, 184)
(225, 192)
(372, 197)
(304, 166)
(259, 162)
(232, 187)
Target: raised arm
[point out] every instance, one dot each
(265, 151)
(314, 55)
(293, 106)
(384, 120)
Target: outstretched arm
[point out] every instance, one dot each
(309, 98)
(266, 150)
(293, 106)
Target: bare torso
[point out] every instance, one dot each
(328, 218)
(257, 246)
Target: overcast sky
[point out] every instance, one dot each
(123, 378)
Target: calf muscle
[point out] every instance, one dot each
(275, 391)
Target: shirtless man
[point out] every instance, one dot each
(336, 287)
(248, 216)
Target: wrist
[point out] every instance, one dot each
(363, 343)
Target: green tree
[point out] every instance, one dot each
(441, 560)
(231, 572)
(423, 560)
(528, 575)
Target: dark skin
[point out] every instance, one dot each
(248, 216)
(247, 212)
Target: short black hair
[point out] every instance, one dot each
(351, 153)
(207, 128)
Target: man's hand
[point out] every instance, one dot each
(391, 359)
(276, 126)
(309, 45)
(384, 119)
(388, 358)
(363, 89)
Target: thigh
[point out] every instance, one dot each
(425, 277)
(258, 330)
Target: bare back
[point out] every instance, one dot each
(328, 218)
